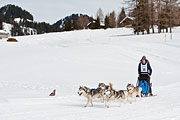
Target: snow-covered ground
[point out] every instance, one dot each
(33, 67)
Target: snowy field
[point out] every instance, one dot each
(33, 67)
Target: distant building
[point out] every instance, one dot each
(90, 23)
(102, 25)
(3, 34)
(126, 22)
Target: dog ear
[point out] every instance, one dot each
(111, 85)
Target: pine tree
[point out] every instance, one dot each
(68, 25)
(141, 17)
(152, 14)
(165, 17)
(174, 13)
(147, 13)
(1, 20)
(97, 23)
(159, 15)
(167, 14)
(106, 22)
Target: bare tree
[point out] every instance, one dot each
(100, 15)
(112, 20)
(82, 21)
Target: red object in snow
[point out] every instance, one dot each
(53, 93)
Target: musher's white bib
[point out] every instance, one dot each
(144, 68)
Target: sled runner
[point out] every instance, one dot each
(151, 95)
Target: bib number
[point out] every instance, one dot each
(144, 68)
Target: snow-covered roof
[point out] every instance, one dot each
(91, 22)
(126, 18)
(17, 20)
(3, 32)
(102, 23)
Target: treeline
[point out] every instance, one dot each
(141, 15)
(41, 27)
(26, 24)
(110, 20)
(31, 28)
(10, 12)
(22, 28)
(80, 21)
(144, 16)
(73, 22)
(149, 13)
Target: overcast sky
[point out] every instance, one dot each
(53, 10)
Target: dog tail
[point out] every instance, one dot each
(111, 85)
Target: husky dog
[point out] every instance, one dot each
(113, 95)
(133, 91)
(90, 94)
(105, 87)
(109, 94)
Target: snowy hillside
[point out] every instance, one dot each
(33, 67)
(26, 30)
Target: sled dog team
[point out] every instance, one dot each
(107, 94)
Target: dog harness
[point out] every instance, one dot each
(96, 90)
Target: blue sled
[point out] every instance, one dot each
(144, 85)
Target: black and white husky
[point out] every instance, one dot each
(90, 94)
(133, 92)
